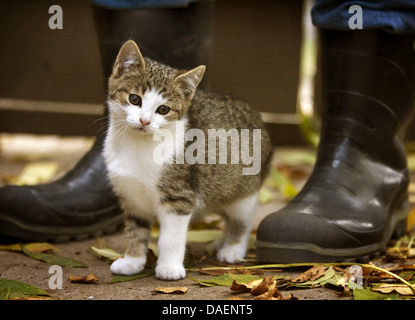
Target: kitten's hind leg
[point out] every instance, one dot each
(238, 223)
(137, 233)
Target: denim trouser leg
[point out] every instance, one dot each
(142, 4)
(393, 16)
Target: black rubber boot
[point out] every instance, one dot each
(82, 204)
(355, 198)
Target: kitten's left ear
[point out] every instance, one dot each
(129, 57)
(189, 81)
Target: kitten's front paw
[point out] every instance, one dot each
(170, 272)
(231, 253)
(128, 266)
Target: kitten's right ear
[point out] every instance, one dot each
(128, 58)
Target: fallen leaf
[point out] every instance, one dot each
(262, 289)
(367, 294)
(106, 253)
(171, 290)
(283, 184)
(239, 287)
(330, 276)
(219, 271)
(11, 289)
(411, 221)
(11, 247)
(143, 274)
(227, 279)
(391, 287)
(31, 298)
(203, 236)
(53, 259)
(41, 247)
(265, 196)
(265, 289)
(292, 172)
(310, 275)
(85, 279)
(297, 157)
(35, 173)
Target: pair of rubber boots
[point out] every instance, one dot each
(355, 198)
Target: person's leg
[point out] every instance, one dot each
(82, 204)
(355, 197)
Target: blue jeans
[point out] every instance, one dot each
(142, 4)
(394, 16)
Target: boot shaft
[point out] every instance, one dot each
(368, 85)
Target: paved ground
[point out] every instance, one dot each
(17, 266)
(20, 267)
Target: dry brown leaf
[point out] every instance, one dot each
(86, 279)
(262, 289)
(238, 287)
(171, 290)
(310, 275)
(265, 289)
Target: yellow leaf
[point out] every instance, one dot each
(171, 290)
(203, 236)
(42, 247)
(36, 173)
(411, 221)
(399, 288)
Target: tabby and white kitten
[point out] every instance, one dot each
(145, 97)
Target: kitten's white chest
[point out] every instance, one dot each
(133, 172)
(133, 158)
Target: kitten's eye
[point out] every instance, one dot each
(163, 110)
(134, 99)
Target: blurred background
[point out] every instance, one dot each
(51, 80)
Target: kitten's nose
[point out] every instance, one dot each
(145, 122)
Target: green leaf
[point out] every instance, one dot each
(4, 293)
(203, 236)
(53, 259)
(283, 184)
(265, 196)
(227, 279)
(367, 294)
(295, 157)
(147, 272)
(13, 288)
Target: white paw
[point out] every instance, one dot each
(231, 253)
(128, 266)
(170, 272)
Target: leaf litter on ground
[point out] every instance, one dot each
(17, 290)
(84, 279)
(343, 276)
(45, 252)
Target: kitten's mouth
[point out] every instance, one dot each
(141, 130)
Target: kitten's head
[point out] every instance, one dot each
(147, 95)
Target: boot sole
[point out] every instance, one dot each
(307, 252)
(17, 229)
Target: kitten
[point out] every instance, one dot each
(147, 100)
